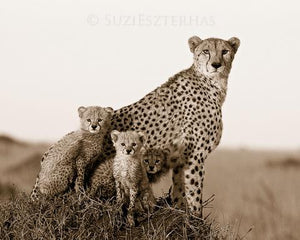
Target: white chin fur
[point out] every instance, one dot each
(214, 74)
(93, 131)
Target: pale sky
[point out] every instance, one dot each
(58, 55)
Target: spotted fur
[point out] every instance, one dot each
(158, 162)
(188, 103)
(70, 157)
(102, 183)
(129, 173)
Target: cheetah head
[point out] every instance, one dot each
(213, 57)
(127, 143)
(94, 118)
(153, 159)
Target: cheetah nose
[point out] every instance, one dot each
(128, 151)
(151, 168)
(94, 127)
(216, 65)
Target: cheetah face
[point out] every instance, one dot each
(153, 160)
(213, 57)
(127, 143)
(93, 119)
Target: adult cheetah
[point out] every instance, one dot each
(188, 103)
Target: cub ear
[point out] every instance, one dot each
(234, 43)
(81, 110)
(109, 110)
(143, 151)
(141, 136)
(114, 135)
(194, 42)
(166, 153)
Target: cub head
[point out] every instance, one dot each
(127, 143)
(153, 160)
(213, 57)
(93, 119)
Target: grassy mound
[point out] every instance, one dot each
(68, 218)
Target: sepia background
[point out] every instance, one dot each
(58, 55)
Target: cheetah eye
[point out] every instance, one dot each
(99, 120)
(205, 51)
(224, 51)
(157, 162)
(89, 120)
(146, 160)
(134, 144)
(123, 144)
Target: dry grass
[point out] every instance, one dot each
(68, 218)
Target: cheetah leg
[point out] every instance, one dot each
(148, 201)
(120, 194)
(177, 160)
(132, 197)
(81, 164)
(193, 182)
(35, 191)
(93, 190)
(139, 207)
(178, 193)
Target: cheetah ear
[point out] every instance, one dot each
(114, 135)
(178, 143)
(81, 110)
(194, 42)
(166, 152)
(234, 43)
(141, 136)
(109, 110)
(143, 151)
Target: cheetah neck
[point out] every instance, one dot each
(219, 82)
(92, 137)
(128, 160)
(125, 157)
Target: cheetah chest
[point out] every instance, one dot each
(127, 172)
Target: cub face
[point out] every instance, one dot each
(93, 119)
(127, 143)
(213, 57)
(153, 160)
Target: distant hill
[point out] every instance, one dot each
(4, 139)
(19, 162)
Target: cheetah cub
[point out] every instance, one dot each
(157, 162)
(129, 173)
(95, 124)
(73, 153)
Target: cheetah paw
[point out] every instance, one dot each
(130, 220)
